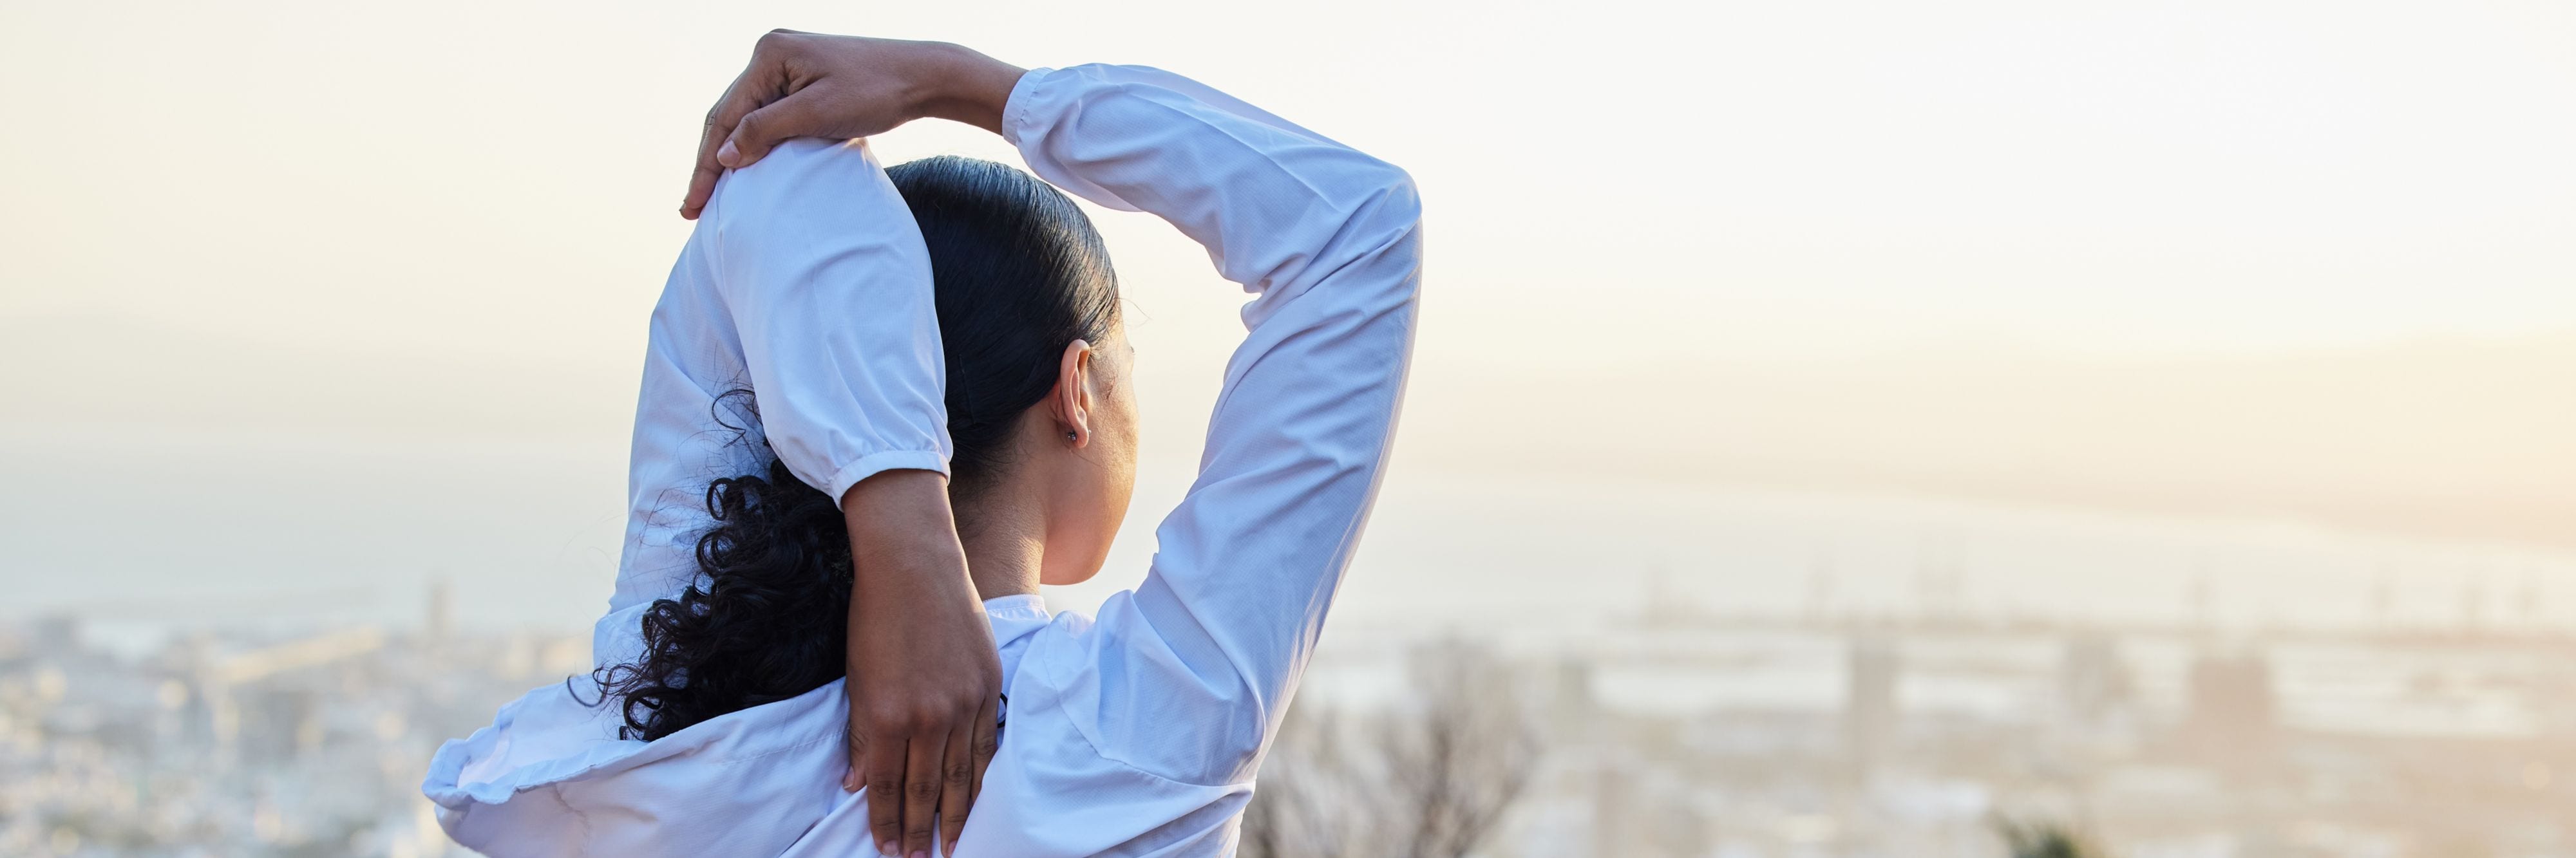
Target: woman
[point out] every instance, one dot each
(1133, 733)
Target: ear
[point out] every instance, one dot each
(1070, 401)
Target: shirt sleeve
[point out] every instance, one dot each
(1187, 676)
(826, 278)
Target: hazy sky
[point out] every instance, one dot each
(425, 237)
(1613, 180)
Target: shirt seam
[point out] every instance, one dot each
(577, 815)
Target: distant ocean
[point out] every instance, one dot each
(143, 535)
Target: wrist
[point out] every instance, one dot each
(902, 533)
(967, 86)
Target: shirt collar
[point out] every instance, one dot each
(1016, 616)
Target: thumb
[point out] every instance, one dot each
(762, 129)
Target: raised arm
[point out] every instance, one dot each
(1329, 240)
(824, 274)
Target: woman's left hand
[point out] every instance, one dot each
(841, 87)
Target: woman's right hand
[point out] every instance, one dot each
(840, 87)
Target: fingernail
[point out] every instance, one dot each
(920, 854)
(948, 848)
(726, 154)
(889, 850)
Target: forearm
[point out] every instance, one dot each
(961, 85)
(924, 676)
(904, 549)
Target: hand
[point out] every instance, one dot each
(925, 681)
(840, 87)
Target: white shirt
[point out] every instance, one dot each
(1136, 733)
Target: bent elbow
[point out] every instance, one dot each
(1381, 224)
(1397, 202)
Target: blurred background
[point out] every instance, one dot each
(1838, 428)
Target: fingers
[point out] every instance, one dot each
(956, 788)
(988, 741)
(762, 129)
(885, 790)
(855, 776)
(721, 118)
(763, 81)
(739, 132)
(922, 776)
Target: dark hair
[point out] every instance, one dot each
(1019, 273)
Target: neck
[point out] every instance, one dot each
(1005, 541)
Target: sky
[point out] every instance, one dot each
(2266, 259)
(2128, 176)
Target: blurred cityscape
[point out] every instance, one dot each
(1690, 732)
(1681, 730)
(246, 744)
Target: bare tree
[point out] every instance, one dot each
(1304, 807)
(1466, 753)
(1431, 776)
(2041, 840)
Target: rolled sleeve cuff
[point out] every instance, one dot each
(1015, 108)
(892, 460)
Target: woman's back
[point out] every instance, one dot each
(549, 779)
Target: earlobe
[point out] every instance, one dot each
(1073, 393)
